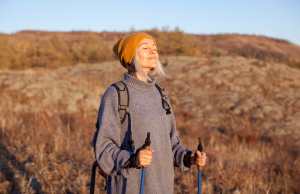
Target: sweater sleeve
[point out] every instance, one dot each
(110, 157)
(178, 148)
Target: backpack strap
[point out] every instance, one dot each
(164, 99)
(123, 99)
(123, 108)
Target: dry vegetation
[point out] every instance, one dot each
(27, 49)
(244, 103)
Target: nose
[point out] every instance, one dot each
(153, 51)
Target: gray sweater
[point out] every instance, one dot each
(147, 115)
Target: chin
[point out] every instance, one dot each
(150, 66)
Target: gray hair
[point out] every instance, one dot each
(157, 72)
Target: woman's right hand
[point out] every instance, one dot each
(144, 156)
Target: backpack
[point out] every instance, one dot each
(123, 108)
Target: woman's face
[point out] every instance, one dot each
(147, 54)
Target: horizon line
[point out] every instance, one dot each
(151, 29)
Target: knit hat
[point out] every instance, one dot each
(125, 48)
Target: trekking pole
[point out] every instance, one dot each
(93, 178)
(199, 173)
(146, 144)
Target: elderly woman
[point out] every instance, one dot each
(121, 163)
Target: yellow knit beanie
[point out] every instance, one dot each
(125, 48)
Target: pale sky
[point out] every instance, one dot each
(275, 18)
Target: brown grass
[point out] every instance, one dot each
(57, 155)
(27, 49)
(245, 110)
(54, 150)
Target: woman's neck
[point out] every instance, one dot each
(142, 77)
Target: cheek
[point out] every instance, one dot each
(141, 56)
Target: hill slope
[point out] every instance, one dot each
(246, 111)
(28, 49)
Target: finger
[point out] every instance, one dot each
(200, 159)
(148, 148)
(202, 155)
(148, 151)
(199, 154)
(201, 163)
(144, 152)
(143, 164)
(147, 158)
(147, 154)
(146, 162)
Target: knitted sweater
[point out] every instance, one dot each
(147, 115)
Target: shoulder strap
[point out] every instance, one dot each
(164, 98)
(123, 99)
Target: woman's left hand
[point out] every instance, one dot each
(200, 158)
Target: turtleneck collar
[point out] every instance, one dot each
(139, 84)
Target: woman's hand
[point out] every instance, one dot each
(200, 158)
(144, 157)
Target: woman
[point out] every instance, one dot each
(139, 55)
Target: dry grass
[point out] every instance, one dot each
(246, 112)
(55, 152)
(27, 49)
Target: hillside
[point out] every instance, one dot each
(246, 109)
(42, 49)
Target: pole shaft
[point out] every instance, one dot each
(199, 180)
(142, 181)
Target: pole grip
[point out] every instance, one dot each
(147, 141)
(200, 145)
